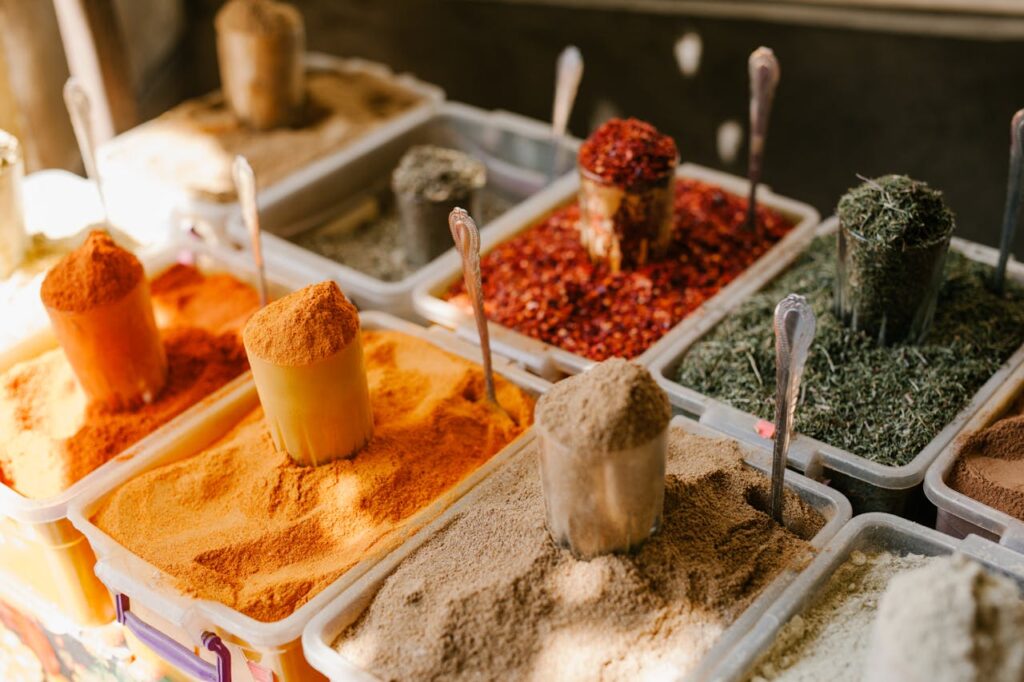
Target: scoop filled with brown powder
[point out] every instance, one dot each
(490, 597)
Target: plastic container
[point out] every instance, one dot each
(517, 151)
(958, 514)
(134, 198)
(553, 362)
(869, 486)
(349, 606)
(866, 533)
(176, 625)
(40, 551)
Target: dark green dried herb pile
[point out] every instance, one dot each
(882, 403)
(896, 210)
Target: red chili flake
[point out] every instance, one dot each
(628, 153)
(543, 284)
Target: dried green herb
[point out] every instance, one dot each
(897, 211)
(882, 403)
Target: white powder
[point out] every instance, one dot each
(950, 621)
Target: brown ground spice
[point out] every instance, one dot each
(304, 327)
(96, 273)
(990, 468)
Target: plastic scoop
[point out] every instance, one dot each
(245, 187)
(1011, 214)
(568, 74)
(764, 78)
(80, 110)
(794, 332)
(13, 238)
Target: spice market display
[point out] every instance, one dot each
(233, 450)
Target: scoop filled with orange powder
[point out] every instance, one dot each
(51, 435)
(275, 533)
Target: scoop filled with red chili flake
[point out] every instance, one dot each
(543, 284)
(628, 153)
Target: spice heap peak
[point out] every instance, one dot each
(306, 355)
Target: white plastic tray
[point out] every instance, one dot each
(960, 515)
(325, 627)
(518, 152)
(866, 533)
(552, 362)
(135, 199)
(869, 485)
(151, 588)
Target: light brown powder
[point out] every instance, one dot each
(990, 468)
(492, 598)
(304, 327)
(97, 272)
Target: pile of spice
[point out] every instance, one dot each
(543, 283)
(275, 533)
(990, 466)
(946, 617)
(628, 153)
(51, 436)
(882, 403)
(491, 596)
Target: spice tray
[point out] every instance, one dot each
(175, 625)
(868, 485)
(134, 198)
(346, 609)
(519, 153)
(40, 551)
(552, 362)
(960, 515)
(873, 532)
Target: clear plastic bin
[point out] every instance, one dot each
(552, 362)
(174, 624)
(341, 612)
(517, 151)
(866, 533)
(958, 514)
(40, 550)
(869, 486)
(133, 198)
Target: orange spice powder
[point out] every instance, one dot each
(242, 524)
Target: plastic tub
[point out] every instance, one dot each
(350, 605)
(866, 533)
(40, 550)
(176, 625)
(552, 362)
(868, 485)
(960, 515)
(516, 150)
(133, 197)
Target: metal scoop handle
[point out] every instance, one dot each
(1011, 213)
(764, 79)
(794, 332)
(76, 99)
(568, 74)
(245, 186)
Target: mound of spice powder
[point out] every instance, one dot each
(275, 533)
(543, 284)
(990, 466)
(628, 153)
(882, 403)
(50, 436)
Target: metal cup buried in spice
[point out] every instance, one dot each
(276, 533)
(883, 617)
(990, 466)
(51, 435)
(883, 403)
(491, 597)
(543, 283)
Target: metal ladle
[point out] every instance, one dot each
(1011, 213)
(245, 186)
(764, 78)
(794, 332)
(568, 74)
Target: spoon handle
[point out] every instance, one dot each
(1011, 213)
(245, 186)
(764, 78)
(794, 331)
(76, 99)
(568, 74)
(467, 243)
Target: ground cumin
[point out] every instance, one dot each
(96, 273)
(312, 324)
(272, 533)
(990, 467)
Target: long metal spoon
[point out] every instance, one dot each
(1011, 214)
(76, 99)
(568, 74)
(245, 186)
(764, 78)
(467, 243)
(794, 331)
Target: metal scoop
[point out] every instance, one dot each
(794, 331)
(245, 187)
(568, 74)
(1011, 214)
(80, 110)
(764, 78)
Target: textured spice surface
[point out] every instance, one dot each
(628, 153)
(50, 437)
(275, 533)
(990, 466)
(305, 326)
(437, 174)
(96, 273)
(882, 403)
(492, 598)
(896, 211)
(543, 284)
